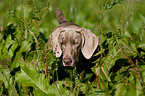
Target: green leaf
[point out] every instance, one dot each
(117, 1)
(12, 49)
(30, 77)
(37, 79)
(9, 19)
(142, 67)
(12, 90)
(15, 63)
(114, 52)
(51, 58)
(142, 45)
(25, 46)
(23, 10)
(120, 89)
(1, 47)
(104, 74)
(100, 52)
(5, 76)
(19, 35)
(1, 90)
(138, 87)
(109, 6)
(1, 37)
(3, 79)
(57, 89)
(9, 41)
(97, 92)
(133, 46)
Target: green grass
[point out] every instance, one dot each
(27, 66)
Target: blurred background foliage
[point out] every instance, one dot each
(27, 67)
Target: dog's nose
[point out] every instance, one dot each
(67, 62)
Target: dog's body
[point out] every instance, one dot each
(74, 44)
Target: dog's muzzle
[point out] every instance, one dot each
(68, 62)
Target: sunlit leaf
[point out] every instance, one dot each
(12, 49)
(138, 87)
(12, 91)
(120, 89)
(16, 60)
(5, 77)
(142, 45)
(23, 11)
(25, 46)
(32, 78)
(9, 41)
(104, 74)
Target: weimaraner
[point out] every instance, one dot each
(71, 41)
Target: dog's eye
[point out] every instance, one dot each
(75, 42)
(61, 41)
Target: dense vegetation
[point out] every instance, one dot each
(27, 67)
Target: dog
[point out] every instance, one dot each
(71, 41)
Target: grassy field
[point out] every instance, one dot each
(27, 67)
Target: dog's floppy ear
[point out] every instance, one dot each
(55, 43)
(89, 43)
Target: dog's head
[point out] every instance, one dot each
(70, 41)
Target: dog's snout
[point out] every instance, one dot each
(67, 62)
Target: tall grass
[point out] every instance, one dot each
(27, 67)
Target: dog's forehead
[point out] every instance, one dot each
(71, 33)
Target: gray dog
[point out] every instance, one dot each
(71, 41)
